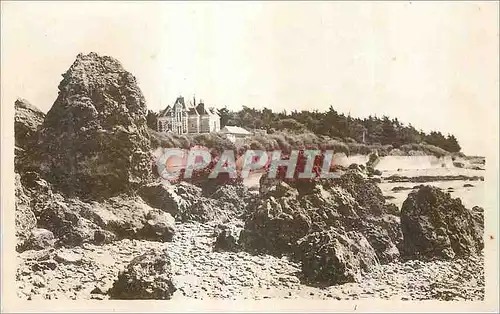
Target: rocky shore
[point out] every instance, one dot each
(93, 220)
(88, 272)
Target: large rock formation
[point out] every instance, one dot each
(94, 140)
(277, 222)
(148, 276)
(336, 257)
(284, 213)
(437, 226)
(73, 221)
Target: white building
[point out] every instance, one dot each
(234, 133)
(188, 118)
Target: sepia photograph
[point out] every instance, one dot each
(249, 156)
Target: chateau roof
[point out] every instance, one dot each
(199, 109)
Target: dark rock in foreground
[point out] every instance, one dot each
(93, 142)
(40, 239)
(226, 239)
(148, 276)
(74, 222)
(336, 257)
(277, 222)
(437, 226)
(284, 214)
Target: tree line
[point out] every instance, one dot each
(370, 131)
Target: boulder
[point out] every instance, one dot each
(40, 239)
(27, 120)
(373, 172)
(94, 142)
(437, 226)
(333, 257)
(233, 194)
(226, 239)
(283, 214)
(185, 201)
(384, 235)
(368, 195)
(158, 226)
(277, 222)
(38, 190)
(373, 159)
(148, 276)
(63, 218)
(129, 217)
(73, 221)
(171, 198)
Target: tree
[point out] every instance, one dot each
(225, 115)
(452, 144)
(151, 120)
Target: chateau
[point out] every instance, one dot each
(188, 118)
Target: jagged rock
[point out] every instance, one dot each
(93, 142)
(186, 202)
(148, 276)
(233, 194)
(171, 198)
(367, 194)
(478, 215)
(356, 167)
(158, 225)
(373, 172)
(335, 257)
(373, 159)
(391, 208)
(227, 239)
(27, 119)
(435, 225)
(74, 221)
(283, 214)
(40, 239)
(130, 217)
(277, 222)
(384, 235)
(25, 218)
(62, 218)
(38, 190)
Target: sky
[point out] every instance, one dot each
(432, 64)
